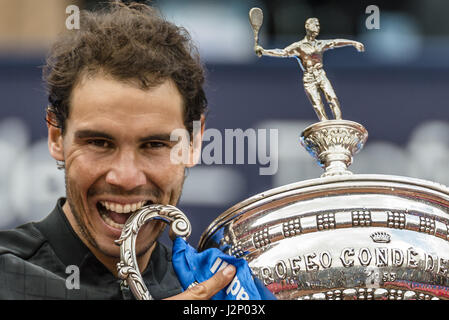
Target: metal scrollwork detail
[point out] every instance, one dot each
(396, 220)
(333, 143)
(361, 218)
(369, 294)
(261, 238)
(427, 225)
(127, 268)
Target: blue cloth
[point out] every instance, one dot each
(191, 266)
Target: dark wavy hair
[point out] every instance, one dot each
(130, 42)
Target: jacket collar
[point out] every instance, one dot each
(61, 236)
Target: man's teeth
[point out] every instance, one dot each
(111, 222)
(120, 208)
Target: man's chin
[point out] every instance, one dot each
(144, 242)
(113, 250)
(110, 250)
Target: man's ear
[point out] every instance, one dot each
(197, 140)
(55, 143)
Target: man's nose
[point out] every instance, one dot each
(125, 172)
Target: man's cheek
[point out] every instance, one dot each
(169, 177)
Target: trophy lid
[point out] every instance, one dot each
(326, 187)
(343, 237)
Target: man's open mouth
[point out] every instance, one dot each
(115, 214)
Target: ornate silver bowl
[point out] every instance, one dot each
(343, 237)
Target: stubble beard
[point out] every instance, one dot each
(74, 200)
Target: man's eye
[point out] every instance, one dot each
(155, 144)
(99, 143)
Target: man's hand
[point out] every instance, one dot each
(259, 50)
(359, 46)
(207, 289)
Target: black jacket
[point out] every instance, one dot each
(36, 260)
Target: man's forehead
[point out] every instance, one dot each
(312, 21)
(125, 110)
(105, 95)
(126, 126)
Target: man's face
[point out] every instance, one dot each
(116, 150)
(313, 28)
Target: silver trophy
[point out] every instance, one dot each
(341, 236)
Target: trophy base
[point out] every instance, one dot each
(333, 143)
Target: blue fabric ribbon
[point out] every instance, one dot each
(191, 266)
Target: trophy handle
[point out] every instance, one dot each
(128, 269)
(256, 20)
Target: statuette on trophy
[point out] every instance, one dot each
(332, 143)
(309, 54)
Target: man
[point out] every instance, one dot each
(118, 88)
(309, 53)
